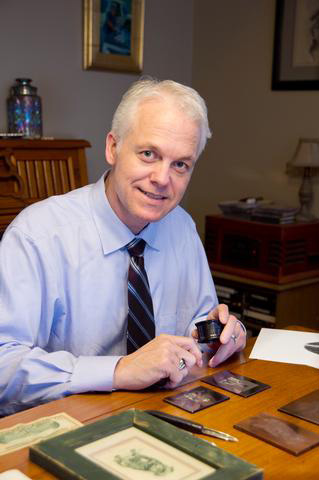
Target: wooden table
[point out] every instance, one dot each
(288, 382)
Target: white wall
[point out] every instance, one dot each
(225, 50)
(256, 130)
(42, 40)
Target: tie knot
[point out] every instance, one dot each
(136, 247)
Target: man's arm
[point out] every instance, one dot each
(29, 306)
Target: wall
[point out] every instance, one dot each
(227, 55)
(42, 40)
(255, 129)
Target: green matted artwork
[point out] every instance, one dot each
(134, 444)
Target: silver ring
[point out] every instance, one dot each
(233, 337)
(181, 364)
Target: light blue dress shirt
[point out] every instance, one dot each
(63, 293)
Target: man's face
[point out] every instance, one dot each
(153, 164)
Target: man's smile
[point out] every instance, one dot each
(154, 196)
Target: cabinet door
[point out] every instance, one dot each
(30, 172)
(47, 172)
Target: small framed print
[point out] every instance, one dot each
(196, 399)
(232, 382)
(113, 35)
(296, 45)
(134, 444)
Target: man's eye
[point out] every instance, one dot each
(181, 166)
(147, 153)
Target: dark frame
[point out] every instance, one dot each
(286, 75)
(58, 454)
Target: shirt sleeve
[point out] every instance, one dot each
(30, 373)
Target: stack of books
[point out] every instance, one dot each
(239, 208)
(274, 213)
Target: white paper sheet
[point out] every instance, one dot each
(13, 475)
(286, 346)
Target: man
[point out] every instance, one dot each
(65, 260)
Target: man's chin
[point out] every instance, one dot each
(143, 219)
(155, 216)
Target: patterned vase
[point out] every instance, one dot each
(24, 109)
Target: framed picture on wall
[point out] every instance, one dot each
(296, 45)
(113, 35)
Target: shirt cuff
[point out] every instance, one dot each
(93, 374)
(242, 326)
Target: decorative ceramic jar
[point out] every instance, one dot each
(24, 109)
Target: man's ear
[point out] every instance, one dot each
(110, 148)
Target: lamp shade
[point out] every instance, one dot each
(306, 155)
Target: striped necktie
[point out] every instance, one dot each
(140, 320)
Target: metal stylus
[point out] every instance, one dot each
(191, 426)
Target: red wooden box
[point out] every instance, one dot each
(267, 252)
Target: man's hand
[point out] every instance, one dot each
(232, 338)
(156, 360)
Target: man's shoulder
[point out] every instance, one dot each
(178, 219)
(177, 227)
(176, 235)
(54, 212)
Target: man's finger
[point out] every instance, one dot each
(189, 344)
(188, 358)
(221, 313)
(195, 333)
(227, 349)
(176, 377)
(222, 353)
(229, 329)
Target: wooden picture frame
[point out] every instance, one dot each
(113, 34)
(100, 451)
(296, 46)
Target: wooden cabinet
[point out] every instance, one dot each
(263, 251)
(31, 170)
(267, 274)
(263, 304)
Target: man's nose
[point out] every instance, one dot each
(160, 174)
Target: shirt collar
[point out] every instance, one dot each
(113, 233)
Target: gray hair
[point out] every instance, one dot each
(185, 97)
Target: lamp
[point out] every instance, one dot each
(307, 158)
